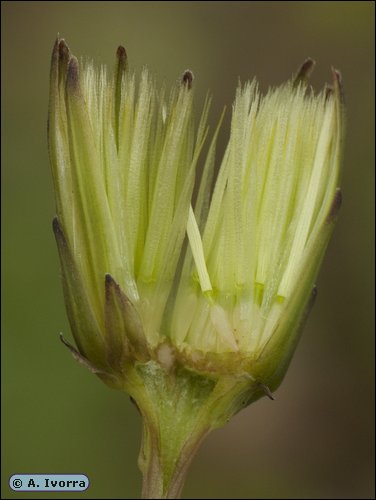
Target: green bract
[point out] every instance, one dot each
(192, 332)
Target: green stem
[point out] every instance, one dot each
(164, 472)
(179, 408)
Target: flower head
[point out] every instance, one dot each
(124, 158)
(193, 332)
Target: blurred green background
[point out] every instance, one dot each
(316, 440)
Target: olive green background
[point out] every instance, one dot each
(316, 439)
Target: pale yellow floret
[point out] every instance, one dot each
(198, 252)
